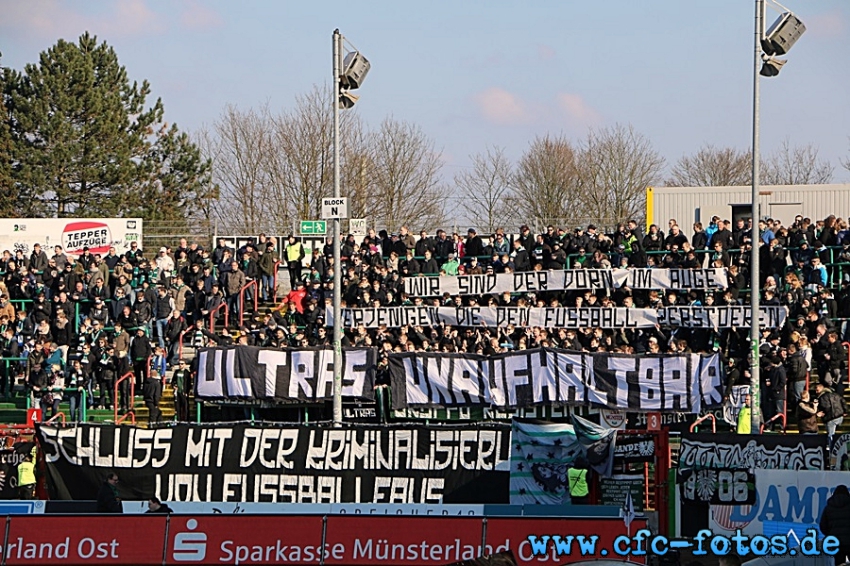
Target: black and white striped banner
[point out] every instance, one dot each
(568, 279)
(683, 383)
(735, 316)
(247, 372)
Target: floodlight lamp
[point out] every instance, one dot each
(783, 34)
(771, 66)
(355, 67)
(347, 100)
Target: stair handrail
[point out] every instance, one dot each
(256, 285)
(56, 416)
(180, 342)
(703, 418)
(131, 412)
(782, 415)
(274, 281)
(223, 305)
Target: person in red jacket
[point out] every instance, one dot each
(296, 297)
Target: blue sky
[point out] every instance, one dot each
(478, 73)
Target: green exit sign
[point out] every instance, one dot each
(314, 227)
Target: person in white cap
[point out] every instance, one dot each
(164, 263)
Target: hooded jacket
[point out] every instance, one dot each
(835, 519)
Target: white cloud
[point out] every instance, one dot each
(53, 18)
(502, 107)
(577, 110)
(198, 16)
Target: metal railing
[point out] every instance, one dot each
(180, 342)
(704, 418)
(222, 306)
(777, 416)
(131, 411)
(60, 416)
(274, 281)
(256, 285)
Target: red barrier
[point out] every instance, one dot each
(101, 539)
(228, 539)
(402, 540)
(344, 540)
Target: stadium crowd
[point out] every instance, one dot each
(70, 325)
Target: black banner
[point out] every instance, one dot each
(722, 486)
(634, 448)
(540, 376)
(747, 452)
(613, 490)
(306, 375)
(287, 463)
(9, 460)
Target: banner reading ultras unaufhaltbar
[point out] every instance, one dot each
(542, 376)
(286, 463)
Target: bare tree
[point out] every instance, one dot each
(615, 166)
(486, 190)
(405, 177)
(357, 169)
(545, 182)
(797, 165)
(238, 147)
(845, 163)
(302, 165)
(713, 167)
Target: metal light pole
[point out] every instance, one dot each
(337, 411)
(755, 330)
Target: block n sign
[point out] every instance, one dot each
(334, 208)
(314, 227)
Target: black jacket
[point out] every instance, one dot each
(835, 520)
(152, 391)
(107, 501)
(829, 403)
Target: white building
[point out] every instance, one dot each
(783, 202)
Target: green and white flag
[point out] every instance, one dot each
(541, 454)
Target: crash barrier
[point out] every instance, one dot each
(292, 539)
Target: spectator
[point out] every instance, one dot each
(140, 352)
(830, 409)
(745, 416)
(163, 307)
(835, 521)
(181, 382)
(152, 393)
(294, 256)
(26, 477)
(156, 506)
(775, 389)
(807, 410)
(429, 266)
(108, 500)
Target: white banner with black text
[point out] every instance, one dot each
(735, 316)
(307, 375)
(542, 376)
(567, 280)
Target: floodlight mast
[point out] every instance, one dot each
(778, 40)
(348, 75)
